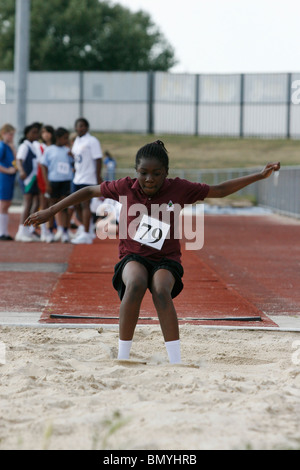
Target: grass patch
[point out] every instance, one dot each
(204, 152)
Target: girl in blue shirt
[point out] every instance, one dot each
(7, 177)
(58, 173)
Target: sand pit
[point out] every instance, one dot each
(63, 388)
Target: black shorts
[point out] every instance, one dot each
(152, 266)
(60, 189)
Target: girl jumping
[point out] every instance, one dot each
(142, 266)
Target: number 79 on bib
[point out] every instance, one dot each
(152, 232)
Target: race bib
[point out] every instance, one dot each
(63, 168)
(152, 232)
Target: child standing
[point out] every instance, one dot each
(47, 139)
(142, 266)
(88, 167)
(27, 165)
(58, 172)
(7, 177)
(110, 165)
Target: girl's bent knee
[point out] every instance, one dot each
(136, 288)
(161, 297)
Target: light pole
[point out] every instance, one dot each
(21, 63)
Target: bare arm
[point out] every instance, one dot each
(8, 171)
(79, 196)
(99, 170)
(229, 187)
(21, 169)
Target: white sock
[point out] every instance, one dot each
(124, 349)
(173, 350)
(43, 228)
(3, 224)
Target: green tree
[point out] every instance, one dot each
(86, 35)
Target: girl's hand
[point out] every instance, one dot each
(23, 175)
(38, 218)
(11, 170)
(269, 168)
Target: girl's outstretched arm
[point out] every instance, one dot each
(79, 196)
(231, 186)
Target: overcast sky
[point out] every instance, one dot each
(228, 36)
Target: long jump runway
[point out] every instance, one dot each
(249, 267)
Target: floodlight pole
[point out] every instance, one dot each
(21, 62)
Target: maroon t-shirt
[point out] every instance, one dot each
(165, 206)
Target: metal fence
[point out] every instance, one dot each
(239, 105)
(282, 193)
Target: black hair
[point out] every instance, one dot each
(49, 129)
(34, 125)
(156, 150)
(60, 131)
(85, 122)
(38, 125)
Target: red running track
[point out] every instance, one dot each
(249, 266)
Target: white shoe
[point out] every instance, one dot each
(71, 234)
(35, 237)
(65, 238)
(23, 235)
(32, 233)
(44, 232)
(24, 238)
(84, 238)
(58, 234)
(49, 237)
(79, 231)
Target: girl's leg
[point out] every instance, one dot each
(24, 234)
(135, 278)
(4, 206)
(62, 222)
(27, 203)
(35, 203)
(43, 204)
(86, 215)
(65, 219)
(53, 201)
(162, 285)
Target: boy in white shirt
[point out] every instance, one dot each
(87, 154)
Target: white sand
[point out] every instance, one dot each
(64, 389)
